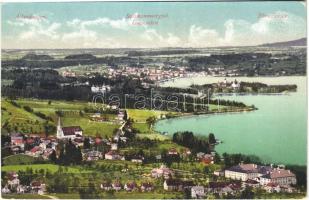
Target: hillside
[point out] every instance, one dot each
(299, 42)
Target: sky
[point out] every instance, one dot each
(149, 24)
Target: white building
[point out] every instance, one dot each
(244, 172)
(70, 132)
(278, 176)
(197, 192)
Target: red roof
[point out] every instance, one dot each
(272, 184)
(70, 130)
(35, 149)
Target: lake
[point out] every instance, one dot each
(276, 132)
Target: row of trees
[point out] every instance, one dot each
(197, 144)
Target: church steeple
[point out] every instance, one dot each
(59, 129)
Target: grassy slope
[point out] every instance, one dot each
(18, 159)
(28, 122)
(53, 168)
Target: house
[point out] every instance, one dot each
(13, 180)
(162, 171)
(117, 185)
(177, 185)
(219, 173)
(172, 151)
(244, 172)
(137, 159)
(35, 151)
(272, 187)
(198, 192)
(92, 155)
(187, 152)
(5, 190)
(47, 152)
(251, 183)
(70, 132)
(130, 186)
(114, 146)
(113, 155)
(106, 186)
(278, 176)
(146, 187)
(223, 188)
(37, 187)
(20, 189)
(17, 140)
(173, 185)
(287, 189)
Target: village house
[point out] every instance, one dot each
(137, 159)
(106, 186)
(172, 151)
(114, 146)
(177, 185)
(113, 155)
(47, 152)
(92, 155)
(130, 186)
(251, 183)
(13, 180)
(117, 185)
(5, 190)
(36, 151)
(38, 187)
(21, 189)
(272, 187)
(223, 188)
(146, 187)
(17, 140)
(162, 172)
(198, 192)
(278, 176)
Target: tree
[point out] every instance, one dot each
(211, 138)
(53, 156)
(86, 143)
(247, 193)
(150, 121)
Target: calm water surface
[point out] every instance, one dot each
(276, 132)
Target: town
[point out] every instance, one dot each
(159, 173)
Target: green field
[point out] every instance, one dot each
(24, 196)
(17, 119)
(19, 159)
(51, 167)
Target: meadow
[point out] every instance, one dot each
(17, 119)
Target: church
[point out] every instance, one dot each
(70, 132)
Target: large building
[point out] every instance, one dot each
(244, 172)
(70, 132)
(279, 176)
(265, 174)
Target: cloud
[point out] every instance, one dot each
(274, 27)
(123, 23)
(115, 33)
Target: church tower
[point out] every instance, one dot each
(59, 129)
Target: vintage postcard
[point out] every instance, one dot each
(154, 100)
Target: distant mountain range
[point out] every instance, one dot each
(299, 42)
